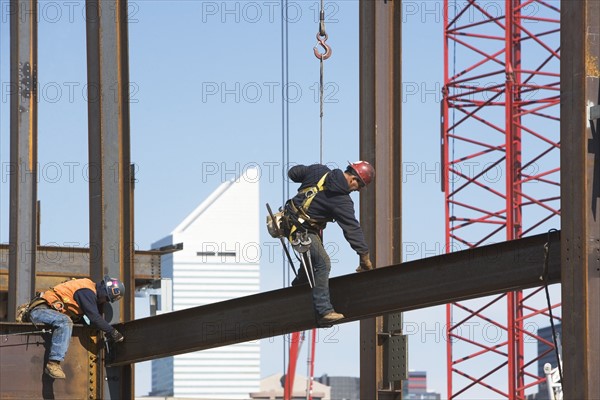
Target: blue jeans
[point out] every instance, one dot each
(62, 327)
(321, 267)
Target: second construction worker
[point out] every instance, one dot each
(324, 196)
(69, 301)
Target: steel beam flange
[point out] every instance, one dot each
(463, 275)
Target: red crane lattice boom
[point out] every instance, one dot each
(500, 147)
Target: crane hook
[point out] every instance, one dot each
(321, 42)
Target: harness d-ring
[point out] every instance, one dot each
(321, 42)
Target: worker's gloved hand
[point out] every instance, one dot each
(365, 263)
(115, 336)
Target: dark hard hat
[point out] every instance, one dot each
(114, 287)
(364, 171)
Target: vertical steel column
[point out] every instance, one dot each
(580, 172)
(111, 241)
(380, 144)
(128, 270)
(23, 153)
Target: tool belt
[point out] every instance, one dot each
(24, 309)
(296, 219)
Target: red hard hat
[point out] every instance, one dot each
(364, 171)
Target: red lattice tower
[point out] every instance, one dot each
(500, 147)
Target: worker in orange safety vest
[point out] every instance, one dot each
(68, 302)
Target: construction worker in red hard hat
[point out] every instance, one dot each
(324, 196)
(68, 302)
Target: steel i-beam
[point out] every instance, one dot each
(111, 235)
(580, 193)
(381, 202)
(55, 264)
(458, 276)
(23, 153)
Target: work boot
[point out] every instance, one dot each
(330, 317)
(54, 370)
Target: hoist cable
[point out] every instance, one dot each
(285, 136)
(321, 113)
(321, 39)
(544, 278)
(285, 124)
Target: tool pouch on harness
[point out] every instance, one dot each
(283, 221)
(23, 309)
(274, 225)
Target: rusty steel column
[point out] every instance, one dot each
(580, 191)
(23, 231)
(23, 349)
(380, 205)
(111, 235)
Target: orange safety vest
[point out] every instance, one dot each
(60, 297)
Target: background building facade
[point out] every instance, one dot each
(219, 261)
(416, 387)
(342, 387)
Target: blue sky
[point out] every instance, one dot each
(206, 104)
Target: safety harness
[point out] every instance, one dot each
(60, 300)
(295, 223)
(297, 218)
(61, 297)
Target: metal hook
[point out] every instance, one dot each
(321, 42)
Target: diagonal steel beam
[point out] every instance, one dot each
(423, 283)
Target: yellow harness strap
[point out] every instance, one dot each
(310, 193)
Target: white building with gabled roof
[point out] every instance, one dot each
(219, 261)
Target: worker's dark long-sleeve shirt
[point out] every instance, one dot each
(87, 300)
(332, 203)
